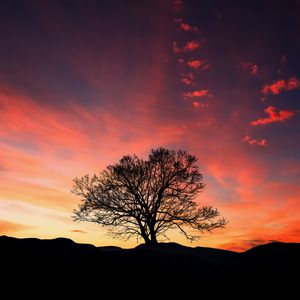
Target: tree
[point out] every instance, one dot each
(146, 198)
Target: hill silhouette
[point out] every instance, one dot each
(266, 266)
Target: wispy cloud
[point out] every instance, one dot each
(7, 227)
(176, 49)
(281, 85)
(243, 245)
(78, 231)
(274, 88)
(293, 84)
(53, 146)
(188, 47)
(195, 64)
(198, 64)
(247, 66)
(187, 27)
(274, 115)
(187, 78)
(197, 94)
(197, 104)
(254, 142)
(191, 46)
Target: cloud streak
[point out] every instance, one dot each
(187, 27)
(197, 94)
(78, 231)
(188, 47)
(254, 142)
(249, 67)
(281, 85)
(191, 46)
(198, 64)
(274, 115)
(7, 227)
(187, 78)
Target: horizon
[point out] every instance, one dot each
(84, 83)
(140, 244)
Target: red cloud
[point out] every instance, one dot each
(187, 27)
(197, 94)
(175, 48)
(43, 147)
(196, 104)
(254, 69)
(196, 64)
(274, 88)
(78, 231)
(186, 81)
(254, 142)
(281, 85)
(191, 46)
(274, 116)
(7, 227)
(293, 84)
(248, 66)
(187, 78)
(205, 66)
(36, 121)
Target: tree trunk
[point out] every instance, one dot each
(147, 240)
(149, 236)
(153, 239)
(143, 233)
(150, 241)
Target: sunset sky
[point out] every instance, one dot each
(83, 83)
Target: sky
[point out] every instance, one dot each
(83, 83)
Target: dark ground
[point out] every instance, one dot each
(63, 266)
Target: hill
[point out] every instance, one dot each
(169, 264)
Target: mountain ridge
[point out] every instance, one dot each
(65, 247)
(172, 246)
(43, 262)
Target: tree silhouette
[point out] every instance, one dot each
(146, 198)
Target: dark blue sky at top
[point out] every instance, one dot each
(42, 42)
(38, 38)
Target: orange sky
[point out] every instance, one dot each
(76, 96)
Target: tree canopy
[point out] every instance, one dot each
(147, 197)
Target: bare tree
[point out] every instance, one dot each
(146, 198)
